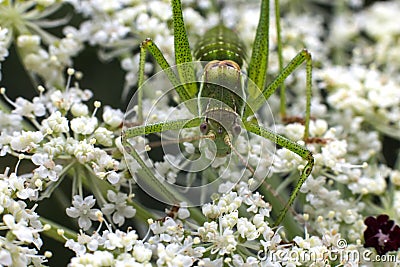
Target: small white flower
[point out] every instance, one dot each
(286, 160)
(79, 110)
(211, 211)
(104, 136)
(10, 122)
(3, 44)
(209, 231)
(103, 161)
(183, 212)
(294, 131)
(98, 258)
(118, 207)
(171, 255)
(141, 253)
(313, 184)
(64, 100)
(113, 177)
(29, 42)
(26, 140)
(318, 127)
(76, 247)
(113, 117)
(56, 123)
(129, 239)
(5, 257)
(84, 125)
(225, 243)
(20, 229)
(260, 223)
(113, 240)
(250, 261)
(65, 49)
(333, 153)
(207, 262)
(28, 109)
(48, 169)
(55, 146)
(83, 151)
(161, 10)
(395, 177)
(256, 201)
(246, 229)
(17, 184)
(82, 209)
(229, 220)
(109, 32)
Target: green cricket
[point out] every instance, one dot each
(224, 52)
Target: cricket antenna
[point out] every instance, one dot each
(227, 141)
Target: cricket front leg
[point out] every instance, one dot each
(153, 185)
(298, 60)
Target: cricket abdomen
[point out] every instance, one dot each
(220, 43)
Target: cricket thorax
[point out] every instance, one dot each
(222, 82)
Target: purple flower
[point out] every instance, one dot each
(382, 234)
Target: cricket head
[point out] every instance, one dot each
(223, 132)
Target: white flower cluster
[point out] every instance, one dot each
(3, 43)
(61, 138)
(367, 93)
(173, 247)
(21, 242)
(368, 87)
(42, 53)
(48, 63)
(51, 140)
(111, 248)
(120, 26)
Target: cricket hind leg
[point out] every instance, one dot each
(303, 152)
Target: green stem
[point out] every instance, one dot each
(142, 213)
(52, 232)
(292, 227)
(280, 57)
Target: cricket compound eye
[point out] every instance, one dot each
(204, 127)
(236, 129)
